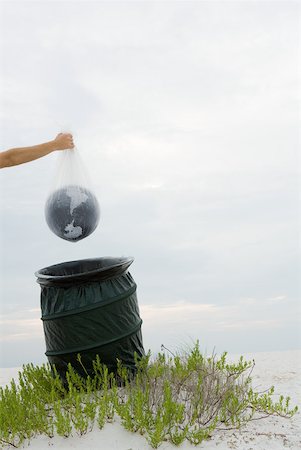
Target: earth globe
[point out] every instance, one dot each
(72, 212)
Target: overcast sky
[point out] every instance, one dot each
(186, 115)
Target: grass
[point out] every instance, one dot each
(170, 398)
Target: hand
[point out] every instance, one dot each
(63, 141)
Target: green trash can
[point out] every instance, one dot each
(90, 307)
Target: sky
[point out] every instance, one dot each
(186, 115)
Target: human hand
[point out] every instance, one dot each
(63, 141)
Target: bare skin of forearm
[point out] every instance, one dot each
(16, 156)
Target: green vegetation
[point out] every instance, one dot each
(170, 398)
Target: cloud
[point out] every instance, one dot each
(248, 313)
(27, 329)
(181, 311)
(253, 325)
(277, 299)
(186, 114)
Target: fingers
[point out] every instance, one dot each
(64, 141)
(69, 140)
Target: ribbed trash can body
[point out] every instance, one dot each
(90, 307)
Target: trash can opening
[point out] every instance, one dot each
(72, 271)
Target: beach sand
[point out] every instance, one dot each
(280, 369)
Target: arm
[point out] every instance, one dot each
(16, 156)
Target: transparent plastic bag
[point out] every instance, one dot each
(72, 211)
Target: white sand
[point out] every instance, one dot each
(281, 369)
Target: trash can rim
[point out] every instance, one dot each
(127, 260)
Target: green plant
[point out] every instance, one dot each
(167, 398)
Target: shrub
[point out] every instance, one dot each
(169, 398)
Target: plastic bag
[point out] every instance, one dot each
(72, 211)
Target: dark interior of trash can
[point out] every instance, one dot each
(93, 268)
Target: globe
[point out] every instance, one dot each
(72, 212)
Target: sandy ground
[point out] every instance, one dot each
(281, 369)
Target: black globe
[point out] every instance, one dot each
(72, 212)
